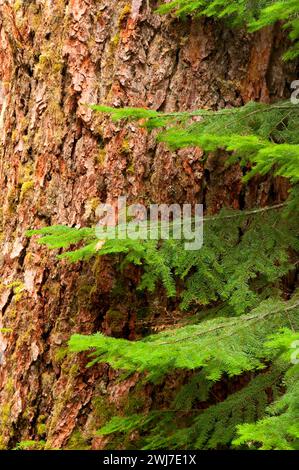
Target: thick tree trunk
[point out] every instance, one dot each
(58, 161)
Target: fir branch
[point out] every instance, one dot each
(245, 318)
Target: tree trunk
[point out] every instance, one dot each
(59, 160)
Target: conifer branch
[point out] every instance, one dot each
(245, 318)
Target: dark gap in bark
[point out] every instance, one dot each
(9, 299)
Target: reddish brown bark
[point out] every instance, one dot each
(58, 160)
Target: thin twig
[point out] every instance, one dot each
(225, 325)
(249, 212)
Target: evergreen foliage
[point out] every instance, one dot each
(265, 135)
(280, 428)
(219, 346)
(237, 271)
(256, 14)
(217, 425)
